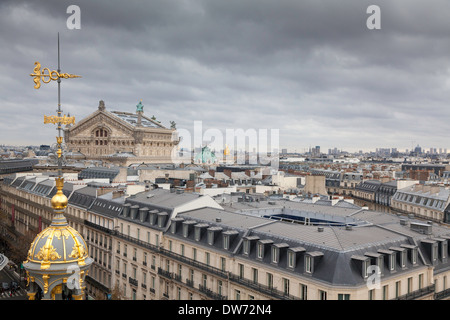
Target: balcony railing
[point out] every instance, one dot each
(211, 294)
(190, 283)
(98, 227)
(194, 263)
(165, 273)
(133, 281)
(97, 284)
(442, 294)
(417, 294)
(273, 292)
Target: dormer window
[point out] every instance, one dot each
(186, 226)
(175, 223)
(211, 234)
(431, 249)
(260, 251)
(403, 258)
(392, 261)
(246, 247)
(227, 238)
(376, 259)
(198, 230)
(363, 263)
(292, 254)
(197, 233)
(401, 254)
(444, 248)
(261, 247)
(412, 253)
(311, 260)
(210, 237)
(435, 252)
(226, 241)
(390, 256)
(162, 219)
(247, 244)
(308, 264)
(291, 259)
(185, 230)
(275, 252)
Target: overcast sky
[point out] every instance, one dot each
(309, 68)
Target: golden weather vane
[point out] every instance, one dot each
(49, 76)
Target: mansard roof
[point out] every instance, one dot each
(337, 250)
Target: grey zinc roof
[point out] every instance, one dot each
(331, 238)
(106, 207)
(163, 198)
(231, 219)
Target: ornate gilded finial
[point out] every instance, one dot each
(39, 75)
(59, 200)
(56, 119)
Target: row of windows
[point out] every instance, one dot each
(429, 202)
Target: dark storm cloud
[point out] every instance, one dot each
(310, 68)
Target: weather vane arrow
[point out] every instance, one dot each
(46, 75)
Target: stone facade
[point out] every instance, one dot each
(120, 137)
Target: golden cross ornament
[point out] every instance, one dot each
(49, 76)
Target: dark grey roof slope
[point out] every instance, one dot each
(83, 197)
(18, 182)
(8, 180)
(11, 166)
(106, 207)
(67, 190)
(28, 184)
(98, 172)
(43, 188)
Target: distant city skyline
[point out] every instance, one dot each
(314, 71)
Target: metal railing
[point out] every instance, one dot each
(417, 294)
(273, 292)
(442, 294)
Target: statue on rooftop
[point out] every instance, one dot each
(140, 107)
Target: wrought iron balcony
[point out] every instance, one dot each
(133, 281)
(417, 294)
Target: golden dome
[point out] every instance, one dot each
(58, 244)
